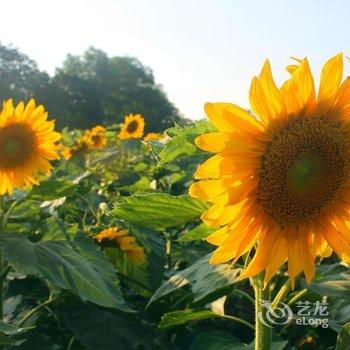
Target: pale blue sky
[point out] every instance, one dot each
(199, 50)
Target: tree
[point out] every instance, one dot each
(102, 89)
(21, 79)
(89, 89)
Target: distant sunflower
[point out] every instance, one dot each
(152, 136)
(125, 242)
(83, 144)
(132, 128)
(27, 145)
(68, 152)
(97, 136)
(280, 179)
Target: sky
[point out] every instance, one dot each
(199, 50)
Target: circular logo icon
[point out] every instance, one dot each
(282, 314)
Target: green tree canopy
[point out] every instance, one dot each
(89, 89)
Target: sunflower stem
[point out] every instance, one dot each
(263, 333)
(2, 275)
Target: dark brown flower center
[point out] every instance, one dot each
(303, 170)
(17, 143)
(96, 139)
(132, 126)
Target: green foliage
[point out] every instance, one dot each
(198, 233)
(182, 141)
(218, 340)
(66, 289)
(173, 319)
(203, 279)
(101, 329)
(77, 266)
(159, 210)
(53, 189)
(343, 340)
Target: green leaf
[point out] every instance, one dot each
(143, 184)
(333, 280)
(100, 329)
(218, 340)
(182, 141)
(11, 329)
(53, 189)
(197, 234)
(77, 266)
(147, 275)
(343, 339)
(202, 278)
(159, 210)
(175, 318)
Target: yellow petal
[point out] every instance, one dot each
(228, 117)
(209, 190)
(331, 77)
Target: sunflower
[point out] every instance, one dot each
(280, 178)
(27, 145)
(68, 152)
(125, 242)
(152, 136)
(97, 137)
(132, 128)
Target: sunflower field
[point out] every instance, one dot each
(230, 233)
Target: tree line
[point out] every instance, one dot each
(89, 89)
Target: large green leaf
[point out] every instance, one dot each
(100, 329)
(343, 340)
(78, 266)
(175, 318)
(159, 210)
(182, 141)
(218, 340)
(332, 280)
(53, 189)
(202, 278)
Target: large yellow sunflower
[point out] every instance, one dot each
(27, 145)
(280, 178)
(132, 128)
(125, 242)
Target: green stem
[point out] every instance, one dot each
(263, 333)
(70, 344)
(7, 215)
(2, 278)
(168, 246)
(36, 309)
(282, 293)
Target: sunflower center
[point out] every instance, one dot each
(12, 147)
(96, 138)
(17, 143)
(132, 126)
(303, 170)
